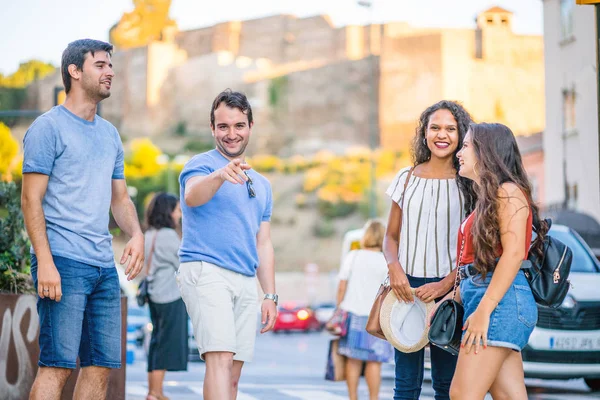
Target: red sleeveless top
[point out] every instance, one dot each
(468, 253)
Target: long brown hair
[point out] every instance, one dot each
(421, 153)
(498, 161)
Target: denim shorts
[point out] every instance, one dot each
(87, 320)
(513, 320)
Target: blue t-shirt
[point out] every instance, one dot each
(81, 159)
(223, 231)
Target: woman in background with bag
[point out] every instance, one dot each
(428, 203)
(169, 343)
(360, 276)
(499, 308)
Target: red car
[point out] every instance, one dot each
(293, 317)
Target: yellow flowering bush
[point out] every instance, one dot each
(295, 164)
(143, 160)
(265, 163)
(343, 182)
(8, 151)
(11, 163)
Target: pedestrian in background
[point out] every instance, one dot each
(420, 241)
(360, 276)
(168, 349)
(500, 311)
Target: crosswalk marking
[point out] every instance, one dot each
(312, 394)
(245, 396)
(193, 390)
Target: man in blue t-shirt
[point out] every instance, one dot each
(226, 243)
(72, 176)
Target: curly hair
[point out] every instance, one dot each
(499, 161)
(158, 214)
(420, 151)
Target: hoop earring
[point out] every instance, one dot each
(475, 170)
(425, 141)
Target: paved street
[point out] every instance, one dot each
(291, 366)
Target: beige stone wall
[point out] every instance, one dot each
(196, 42)
(190, 88)
(509, 90)
(328, 107)
(411, 80)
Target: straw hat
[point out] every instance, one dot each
(405, 325)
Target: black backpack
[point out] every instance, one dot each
(548, 276)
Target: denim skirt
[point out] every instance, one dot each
(513, 320)
(360, 345)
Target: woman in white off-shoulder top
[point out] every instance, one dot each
(421, 235)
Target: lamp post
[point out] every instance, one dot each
(372, 111)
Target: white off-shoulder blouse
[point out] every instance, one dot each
(432, 210)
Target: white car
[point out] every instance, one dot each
(566, 341)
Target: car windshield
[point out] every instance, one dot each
(583, 261)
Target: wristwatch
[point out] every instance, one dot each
(273, 297)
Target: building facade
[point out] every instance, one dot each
(571, 136)
(314, 85)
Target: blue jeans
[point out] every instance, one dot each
(87, 320)
(410, 366)
(513, 320)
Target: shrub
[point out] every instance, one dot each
(265, 163)
(198, 146)
(181, 129)
(323, 228)
(14, 244)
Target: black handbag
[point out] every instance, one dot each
(445, 331)
(548, 276)
(142, 293)
(446, 328)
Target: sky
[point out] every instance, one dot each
(41, 29)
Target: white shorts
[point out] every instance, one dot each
(223, 308)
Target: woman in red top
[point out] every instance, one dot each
(500, 311)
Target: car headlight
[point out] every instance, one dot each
(569, 302)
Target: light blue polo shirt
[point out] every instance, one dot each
(81, 159)
(223, 231)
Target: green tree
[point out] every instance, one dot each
(14, 244)
(28, 72)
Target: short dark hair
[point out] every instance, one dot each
(234, 100)
(158, 214)
(75, 54)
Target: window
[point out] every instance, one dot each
(570, 122)
(566, 19)
(478, 43)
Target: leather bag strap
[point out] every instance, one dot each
(149, 261)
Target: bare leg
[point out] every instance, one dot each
(49, 383)
(485, 366)
(155, 382)
(236, 371)
(373, 378)
(353, 370)
(217, 379)
(92, 383)
(510, 383)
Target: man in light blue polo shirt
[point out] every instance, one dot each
(226, 243)
(72, 176)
